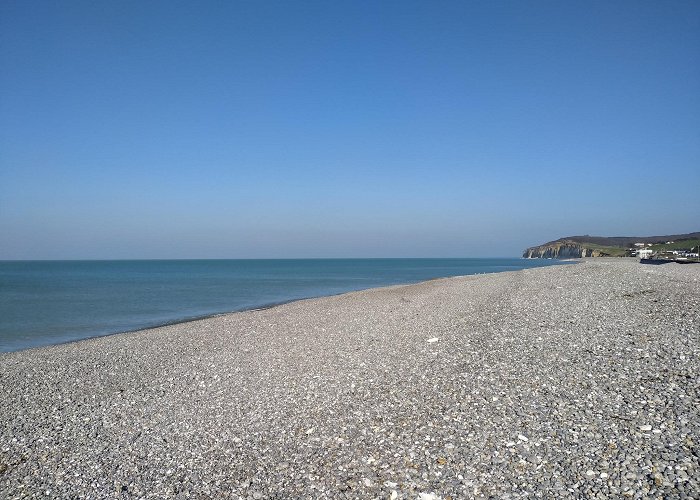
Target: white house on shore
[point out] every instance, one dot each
(644, 253)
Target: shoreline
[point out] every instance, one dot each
(562, 381)
(260, 307)
(263, 307)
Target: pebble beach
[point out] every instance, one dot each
(575, 381)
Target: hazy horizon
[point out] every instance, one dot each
(167, 130)
(367, 257)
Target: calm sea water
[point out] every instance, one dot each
(49, 302)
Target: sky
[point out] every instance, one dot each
(279, 129)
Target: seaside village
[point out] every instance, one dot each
(644, 251)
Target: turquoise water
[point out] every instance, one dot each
(49, 302)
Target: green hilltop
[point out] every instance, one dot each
(614, 246)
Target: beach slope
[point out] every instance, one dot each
(568, 381)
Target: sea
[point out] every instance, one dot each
(52, 302)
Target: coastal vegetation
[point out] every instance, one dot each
(689, 244)
(616, 246)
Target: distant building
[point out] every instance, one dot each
(644, 253)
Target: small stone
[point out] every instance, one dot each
(590, 473)
(393, 495)
(645, 428)
(522, 438)
(434, 339)
(603, 475)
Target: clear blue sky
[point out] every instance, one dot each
(330, 129)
